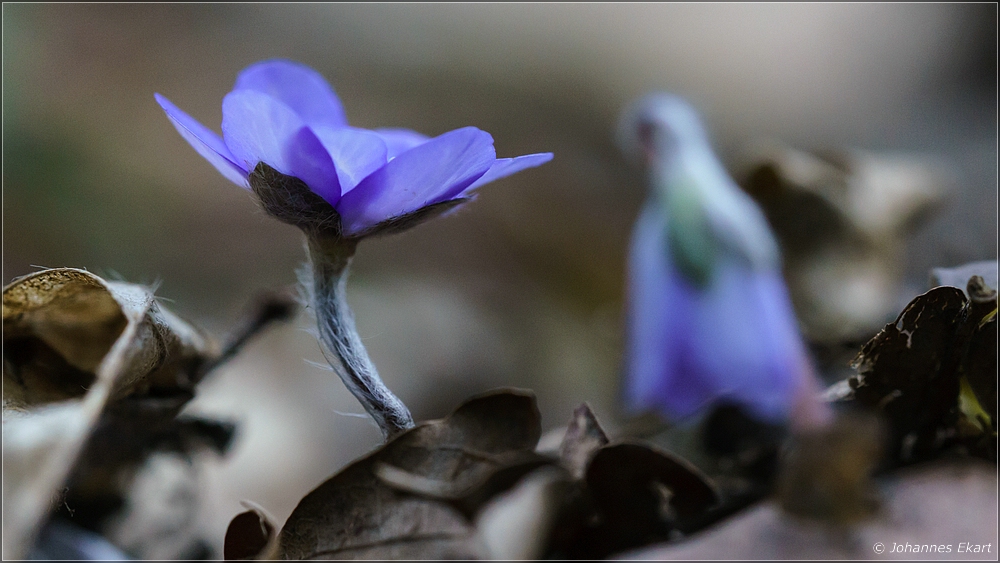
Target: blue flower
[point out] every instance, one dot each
(688, 346)
(709, 317)
(285, 115)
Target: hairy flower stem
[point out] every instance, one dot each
(330, 260)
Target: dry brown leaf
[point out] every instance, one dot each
(73, 344)
(631, 481)
(518, 523)
(632, 494)
(467, 498)
(912, 371)
(77, 318)
(358, 515)
(583, 438)
(251, 535)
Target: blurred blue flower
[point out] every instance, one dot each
(285, 115)
(709, 317)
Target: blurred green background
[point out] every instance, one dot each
(524, 286)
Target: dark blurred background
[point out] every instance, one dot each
(524, 286)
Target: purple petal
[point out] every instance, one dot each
(659, 374)
(649, 353)
(761, 364)
(356, 153)
(299, 87)
(399, 141)
(687, 347)
(208, 143)
(504, 167)
(430, 173)
(259, 128)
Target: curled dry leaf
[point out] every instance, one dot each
(465, 497)
(583, 438)
(599, 499)
(384, 505)
(631, 494)
(905, 369)
(74, 344)
(38, 452)
(251, 535)
(915, 369)
(644, 492)
(519, 523)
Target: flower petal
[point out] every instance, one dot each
(399, 141)
(504, 167)
(648, 355)
(299, 87)
(207, 142)
(430, 173)
(761, 363)
(659, 311)
(356, 153)
(737, 339)
(259, 128)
